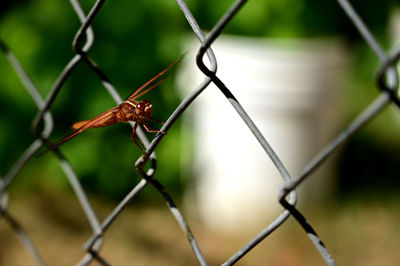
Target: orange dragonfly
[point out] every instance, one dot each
(129, 110)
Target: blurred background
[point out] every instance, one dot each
(132, 43)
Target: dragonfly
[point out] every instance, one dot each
(129, 110)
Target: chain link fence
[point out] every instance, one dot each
(387, 84)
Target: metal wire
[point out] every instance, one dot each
(387, 80)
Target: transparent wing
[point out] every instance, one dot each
(153, 82)
(105, 119)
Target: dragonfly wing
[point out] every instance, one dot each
(107, 118)
(79, 124)
(149, 84)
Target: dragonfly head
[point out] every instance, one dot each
(144, 108)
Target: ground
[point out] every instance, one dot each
(355, 234)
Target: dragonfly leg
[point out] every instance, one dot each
(151, 129)
(133, 137)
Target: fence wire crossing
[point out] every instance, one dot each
(387, 80)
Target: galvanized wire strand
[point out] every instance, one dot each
(393, 80)
(362, 29)
(48, 120)
(23, 237)
(25, 80)
(93, 254)
(85, 28)
(22, 160)
(311, 234)
(199, 34)
(116, 212)
(380, 76)
(181, 221)
(54, 92)
(215, 32)
(315, 239)
(372, 110)
(79, 192)
(173, 208)
(16, 227)
(317, 242)
(258, 238)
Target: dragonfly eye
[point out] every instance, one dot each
(144, 108)
(142, 104)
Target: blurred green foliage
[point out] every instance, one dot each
(133, 41)
(288, 19)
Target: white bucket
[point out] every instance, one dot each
(290, 90)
